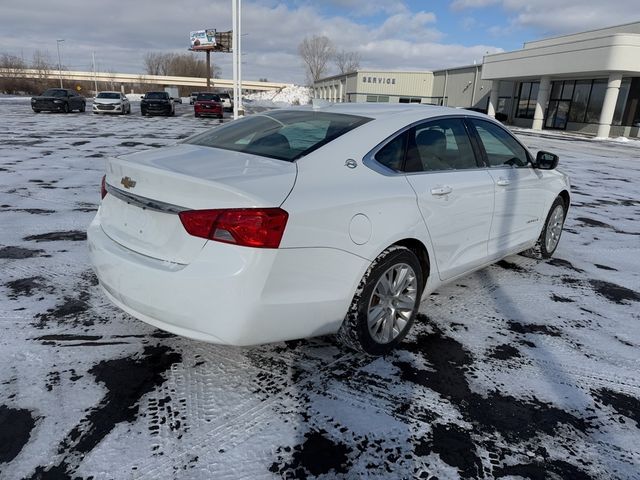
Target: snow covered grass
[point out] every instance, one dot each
(524, 369)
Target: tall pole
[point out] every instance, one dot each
(234, 47)
(95, 79)
(240, 109)
(208, 70)
(59, 62)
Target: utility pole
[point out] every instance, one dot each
(95, 79)
(236, 12)
(59, 62)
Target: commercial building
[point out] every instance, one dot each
(587, 82)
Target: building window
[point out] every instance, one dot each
(378, 98)
(409, 100)
(623, 94)
(596, 99)
(579, 101)
(527, 99)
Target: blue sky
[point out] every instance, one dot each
(387, 34)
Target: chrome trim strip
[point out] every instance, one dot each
(144, 203)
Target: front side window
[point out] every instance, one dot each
(284, 135)
(501, 148)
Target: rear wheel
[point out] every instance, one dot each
(83, 107)
(550, 235)
(385, 304)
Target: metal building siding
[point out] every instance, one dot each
(406, 84)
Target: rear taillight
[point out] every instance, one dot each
(103, 186)
(249, 227)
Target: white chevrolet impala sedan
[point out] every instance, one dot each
(313, 221)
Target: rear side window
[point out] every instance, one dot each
(440, 145)
(284, 135)
(392, 154)
(501, 148)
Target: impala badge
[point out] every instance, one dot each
(127, 182)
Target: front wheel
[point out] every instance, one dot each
(65, 109)
(385, 304)
(83, 107)
(550, 235)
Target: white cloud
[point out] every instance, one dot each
(120, 33)
(551, 17)
(467, 4)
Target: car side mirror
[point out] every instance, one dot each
(170, 98)
(546, 160)
(142, 97)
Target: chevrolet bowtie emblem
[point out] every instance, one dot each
(127, 182)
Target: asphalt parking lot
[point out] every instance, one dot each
(525, 369)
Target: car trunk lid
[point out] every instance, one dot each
(149, 188)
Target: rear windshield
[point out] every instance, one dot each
(55, 92)
(160, 95)
(284, 135)
(109, 95)
(208, 96)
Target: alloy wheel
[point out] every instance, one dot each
(392, 303)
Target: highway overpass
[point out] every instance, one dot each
(128, 78)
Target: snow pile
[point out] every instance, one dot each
(291, 95)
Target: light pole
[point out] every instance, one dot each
(236, 13)
(59, 63)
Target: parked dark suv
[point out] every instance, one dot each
(58, 100)
(157, 103)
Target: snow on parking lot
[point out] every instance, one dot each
(524, 369)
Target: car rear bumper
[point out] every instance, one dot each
(229, 294)
(215, 112)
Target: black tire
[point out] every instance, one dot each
(143, 113)
(65, 109)
(36, 110)
(545, 246)
(355, 332)
(83, 107)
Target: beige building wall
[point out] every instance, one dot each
(462, 87)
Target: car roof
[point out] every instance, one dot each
(408, 110)
(111, 91)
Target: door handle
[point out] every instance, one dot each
(503, 182)
(444, 190)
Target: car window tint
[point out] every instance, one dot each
(392, 154)
(440, 145)
(285, 135)
(502, 149)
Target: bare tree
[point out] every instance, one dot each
(316, 53)
(153, 63)
(10, 82)
(42, 63)
(347, 62)
(178, 64)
